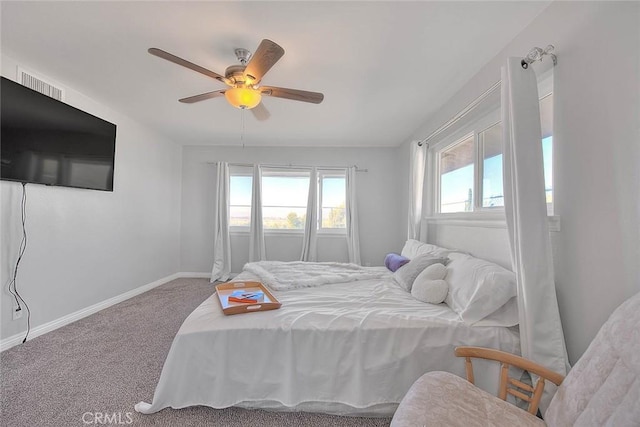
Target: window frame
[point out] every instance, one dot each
(282, 173)
(479, 183)
(244, 171)
(475, 128)
(240, 171)
(330, 173)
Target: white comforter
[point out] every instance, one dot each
(280, 276)
(351, 348)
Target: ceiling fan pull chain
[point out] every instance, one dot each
(242, 127)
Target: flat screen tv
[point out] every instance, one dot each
(45, 141)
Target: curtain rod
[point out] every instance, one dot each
(535, 54)
(291, 166)
(460, 115)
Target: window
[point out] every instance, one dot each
(462, 188)
(240, 187)
(490, 143)
(456, 176)
(546, 120)
(332, 201)
(284, 199)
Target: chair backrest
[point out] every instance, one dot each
(603, 388)
(509, 385)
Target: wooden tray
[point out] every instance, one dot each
(225, 289)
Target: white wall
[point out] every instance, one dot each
(597, 154)
(378, 203)
(86, 246)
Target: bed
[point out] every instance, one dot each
(350, 348)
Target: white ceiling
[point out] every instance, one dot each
(383, 67)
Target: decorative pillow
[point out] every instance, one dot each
(429, 286)
(431, 291)
(406, 274)
(394, 261)
(478, 288)
(433, 272)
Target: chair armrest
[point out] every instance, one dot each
(510, 359)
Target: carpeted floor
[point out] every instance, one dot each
(93, 371)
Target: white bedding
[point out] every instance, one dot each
(352, 348)
(281, 276)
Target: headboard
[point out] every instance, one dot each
(486, 239)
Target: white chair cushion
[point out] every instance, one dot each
(444, 399)
(603, 388)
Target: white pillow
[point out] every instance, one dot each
(478, 288)
(406, 274)
(431, 291)
(412, 248)
(507, 315)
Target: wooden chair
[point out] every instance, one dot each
(509, 385)
(602, 389)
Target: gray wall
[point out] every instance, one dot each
(86, 246)
(378, 201)
(597, 157)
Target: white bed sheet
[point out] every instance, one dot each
(353, 348)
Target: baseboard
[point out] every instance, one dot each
(14, 340)
(194, 275)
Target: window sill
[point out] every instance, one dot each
(290, 233)
(484, 220)
(332, 233)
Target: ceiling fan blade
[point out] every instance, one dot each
(176, 60)
(260, 112)
(202, 96)
(294, 94)
(267, 54)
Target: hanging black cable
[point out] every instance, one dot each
(13, 288)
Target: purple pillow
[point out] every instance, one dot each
(394, 261)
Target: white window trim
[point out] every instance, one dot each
(245, 172)
(479, 177)
(326, 233)
(471, 129)
(324, 173)
(275, 172)
(480, 213)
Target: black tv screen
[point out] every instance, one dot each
(45, 141)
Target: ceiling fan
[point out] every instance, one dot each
(245, 91)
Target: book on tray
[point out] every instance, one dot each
(246, 297)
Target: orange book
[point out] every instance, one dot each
(246, 297)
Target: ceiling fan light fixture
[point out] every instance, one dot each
(243, 98)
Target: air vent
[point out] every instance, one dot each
(37, 83)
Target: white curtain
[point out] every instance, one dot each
(541, 336)
(416, 182)
(309, 243)
(256, 236)
(353, 234)
(221, 241)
